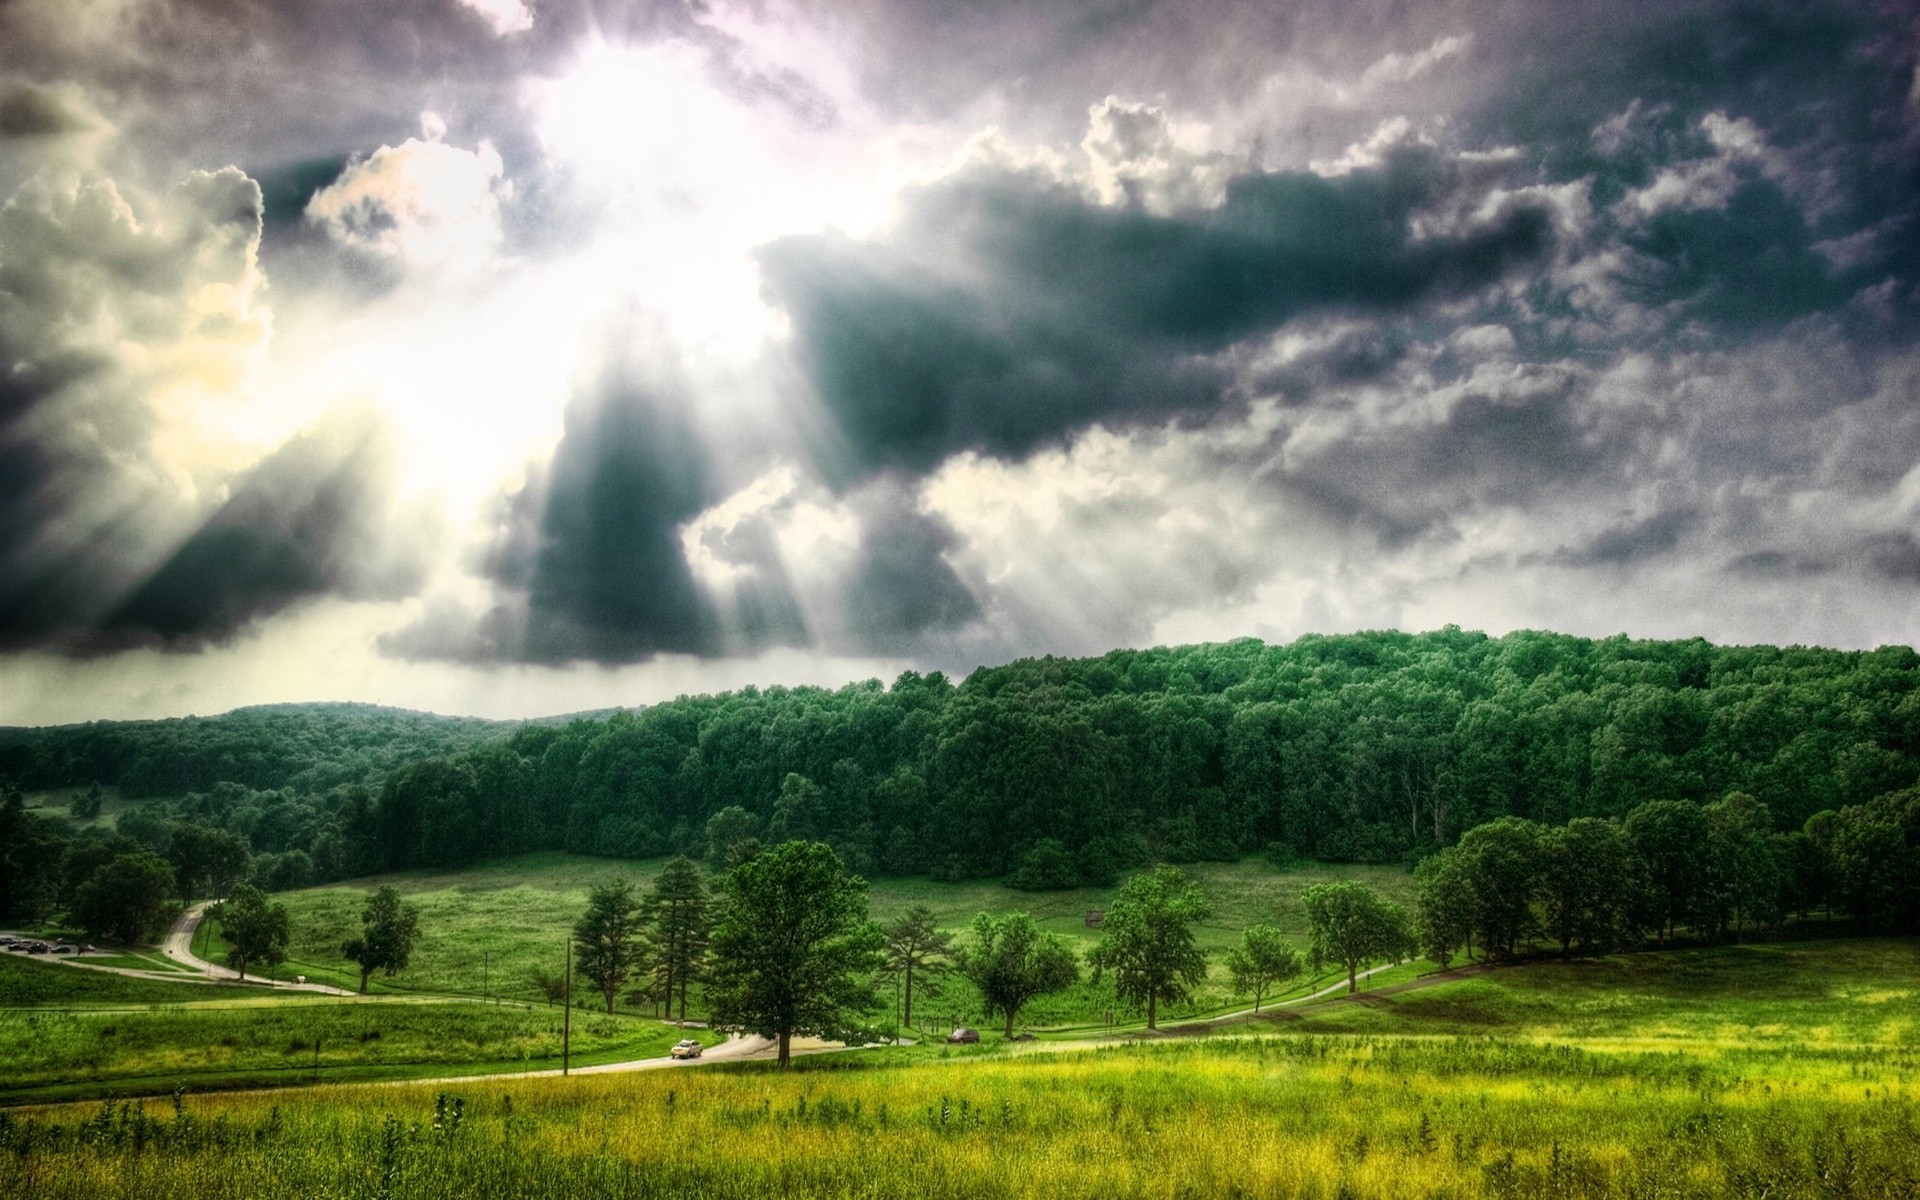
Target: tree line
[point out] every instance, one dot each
(1052, 773)
(783, 946)
(1058, 773)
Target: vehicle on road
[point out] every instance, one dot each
(687, 1048)
(963, 1037)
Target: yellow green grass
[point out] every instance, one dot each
(1313, 1116)
(268, 1041)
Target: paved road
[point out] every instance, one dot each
(178, 946)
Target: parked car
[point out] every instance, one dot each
(65, 950)
(37, 948)
(963, 1037)
(687, 1048)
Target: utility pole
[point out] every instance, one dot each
(566, 1017)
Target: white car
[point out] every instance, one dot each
(687, 1048)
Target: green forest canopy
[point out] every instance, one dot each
(1364, 747)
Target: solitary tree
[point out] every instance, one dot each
(1011, 962)
(254, 931)
(387, 929)
(608, 938)
(676, 909)
(1148, 940)
(1351, 924)
(793, 951)
(916, 947)
(124, 899)
(1261, 960)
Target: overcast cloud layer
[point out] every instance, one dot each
(513, 356)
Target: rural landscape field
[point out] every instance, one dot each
(868, 599)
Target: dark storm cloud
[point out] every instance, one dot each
(901, 591)
(28, 111)
(600, 557)
(1012, 311)
(314, 518)
(1627, 543)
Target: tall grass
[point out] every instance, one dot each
(1335, 1116)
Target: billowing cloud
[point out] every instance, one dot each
(974, 330)
(128, 339)
(418, 204)
(1010, 310)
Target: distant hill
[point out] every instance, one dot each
(307, 747)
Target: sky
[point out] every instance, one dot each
(512, 357)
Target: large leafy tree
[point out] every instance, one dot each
(793, 952)
(255, 931)
(1876, 856)
(676, 912)
(1261, 960)
(387, 930)
(1443, 907)
(1011, 962)
(1589, 881)
(1502, 863)
(125, 899)
(1147, 940)
(917, 949)
(608, 939)
(1351, 924)
(206, 861)
(1743, 883)
(1670, 837)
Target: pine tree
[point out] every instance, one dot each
(677, 911)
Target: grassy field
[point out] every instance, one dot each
(270, 1040)
(27, 982)
(1481, 1088)
(510, 917)
(1807, 995)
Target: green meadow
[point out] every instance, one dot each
(494, 926)
(1603, 1079)
(66, 1031)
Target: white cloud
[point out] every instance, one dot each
(506, 16)
(1710, 182)
(420, 204)
(1403, 68)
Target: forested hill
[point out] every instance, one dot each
(1375, 746)
(1372, 747)
(307, 747)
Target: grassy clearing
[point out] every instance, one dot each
(270, 1040)
(1799, 994)
(58, 802)
(24, 981)
(511, 917)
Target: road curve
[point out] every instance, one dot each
(178, 946)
